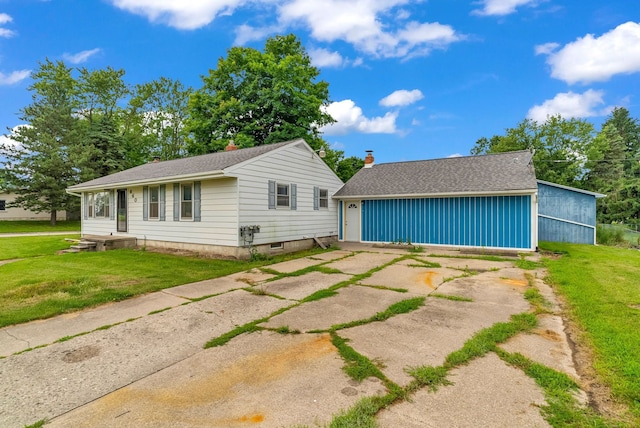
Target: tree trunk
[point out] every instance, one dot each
(54, 214)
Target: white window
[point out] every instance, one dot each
(99, 205)
(324, 198)
(154, 202)
(283, 195)
(186, 202)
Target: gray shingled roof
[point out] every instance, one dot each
(500, 172)
(175, 168)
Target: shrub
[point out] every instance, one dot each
(608, 234)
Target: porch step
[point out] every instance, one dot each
(82, 246)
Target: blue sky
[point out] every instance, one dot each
(408, 79)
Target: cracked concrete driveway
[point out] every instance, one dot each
(285, 367)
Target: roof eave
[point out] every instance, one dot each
(437, 195)
(162, 180)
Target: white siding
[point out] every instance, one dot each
(291, 165)
(218, 225)
(22, 214)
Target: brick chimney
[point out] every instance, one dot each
(368, 159)
(231, 146)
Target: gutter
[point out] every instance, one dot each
(438, 195)
(160, 180)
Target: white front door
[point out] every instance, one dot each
(352, 221)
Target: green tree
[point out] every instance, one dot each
(614, 168)
(559, 146)
(157, 114)
(38, 167)
(100, 150)
(257, 98)
(347, 167)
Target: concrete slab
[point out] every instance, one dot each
(331, 255)
(471, 264)
(36, 333)
(418, 280)
(294, 265)
(263, 379)
(513, 403)
(50, 381)
(253, 276)
(425, 336)
(209, 287)
(350, 304)
(547, 345)
(299, 287)
(362, 262)
(500, 291)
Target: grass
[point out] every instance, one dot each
(600, 285)
(48, 285)
(401, 307)
(31, 246)
(20, 226)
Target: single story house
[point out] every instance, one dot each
(16, 213)
(566, 214)
(271, 198)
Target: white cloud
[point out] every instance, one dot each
(14, 77)
(546, 49)
(80, 57)
(7, 140)
(455, 155)
(349, 118)
(5, 19)
(401, 97)
(246, 33)
(597, 59)
(371, 26)
(501, 7)
(570, 105)
(325, 58)
(360, 23)
(185, 15)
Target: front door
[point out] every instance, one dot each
(352, 223)
(122, 210)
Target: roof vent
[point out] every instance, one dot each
(231, 146)
(368, 159)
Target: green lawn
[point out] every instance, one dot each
(38, 226)
(602, 287)
(31, 246)
(44, 284)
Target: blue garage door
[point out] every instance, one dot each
(488, 221)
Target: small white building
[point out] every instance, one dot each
(275, 197)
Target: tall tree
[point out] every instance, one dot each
(100, 96)
(157, 114)
(559, 146)
(38, 168)
(257, 98)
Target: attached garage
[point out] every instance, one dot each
(487, 201)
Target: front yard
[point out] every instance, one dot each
(43, 284)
